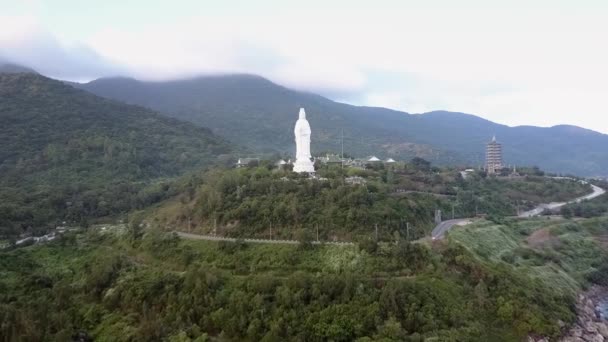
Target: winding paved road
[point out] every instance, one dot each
(597, 191)
(443, 227)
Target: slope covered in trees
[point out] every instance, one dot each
(249, 202)
(66, 154)
(255, 112)
(108, 287)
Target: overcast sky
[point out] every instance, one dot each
(515, 62)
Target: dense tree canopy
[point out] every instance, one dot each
(101, 286)
(251, 201)
(69, 155)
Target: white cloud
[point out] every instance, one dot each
(24, 41)
(516, 65)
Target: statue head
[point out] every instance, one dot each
(302, 114)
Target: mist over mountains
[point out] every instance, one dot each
(258, 114)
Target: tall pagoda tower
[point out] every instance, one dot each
(493, 156)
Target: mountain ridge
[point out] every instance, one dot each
(258, 113)
(67, 154)
(12, 68)
(444, 137)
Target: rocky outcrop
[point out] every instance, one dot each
(589, 326)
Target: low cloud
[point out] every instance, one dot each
(23, 42)
(498, 63)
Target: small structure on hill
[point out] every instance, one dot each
(466, 173)
(355, 180)
(514, 174)
(243, 162)
(331, 159)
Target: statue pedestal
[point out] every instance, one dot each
(303, 165)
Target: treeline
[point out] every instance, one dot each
(250, 202)
(588, 208)
(37, 209)
(111, 288)
(505, 197)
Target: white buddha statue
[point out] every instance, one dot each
(302, 133)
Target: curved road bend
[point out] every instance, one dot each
(445, 226)
(597, 191)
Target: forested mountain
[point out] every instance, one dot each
(66, 154)
(255, 112)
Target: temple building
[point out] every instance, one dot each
(493, 156)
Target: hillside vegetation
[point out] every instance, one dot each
(249, 202)
(254, 112)
(564, 254)
(68, 155)
(589, 208)
(113, 286)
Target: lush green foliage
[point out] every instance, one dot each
(68, 155)
(249, 202)
(594, 208)
(562, 253)
(589, 208)
(504, 197)
(111, 288)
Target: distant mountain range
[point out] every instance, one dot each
(66, 153)
(41, 116)
(254, 112)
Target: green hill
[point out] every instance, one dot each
(255, 112)
(396, 199)
(106, 286)
(67, 154)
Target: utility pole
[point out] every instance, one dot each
(215, 226)
(376, 232)
(407, 229)
(342, 144)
